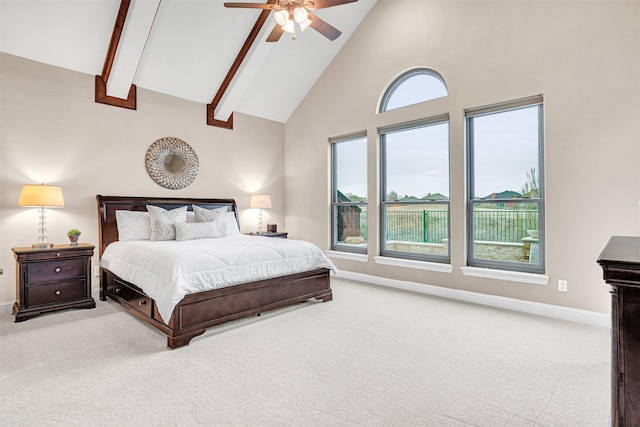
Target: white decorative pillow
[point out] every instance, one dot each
(231, 224)
(198, 230)
(162, 221)
(133, 225)
(191, 216)
(203, 215)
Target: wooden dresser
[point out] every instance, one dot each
(620, 261)
(52, 279)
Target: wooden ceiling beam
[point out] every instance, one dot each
(244, 50)
(101, 80)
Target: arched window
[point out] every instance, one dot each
(414, 172)
(412, 87)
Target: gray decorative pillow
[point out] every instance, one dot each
(198, 230)
(162, 221)
(204, 215)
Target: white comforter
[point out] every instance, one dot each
(167, 271)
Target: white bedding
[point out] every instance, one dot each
(169, 270)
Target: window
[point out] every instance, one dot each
(506, 191)
(349, 193)
(415, 190)
(412, 87)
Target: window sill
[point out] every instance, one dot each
(512, 276)
(419, 265)
(348, 256)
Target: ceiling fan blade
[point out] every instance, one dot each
(253, 6)
(275, 34)
(324, 28)
(322, 4)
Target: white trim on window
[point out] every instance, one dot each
(512, 276)
(348, 256)
(418, 265)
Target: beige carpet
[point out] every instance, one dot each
(372, 356)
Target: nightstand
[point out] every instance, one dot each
(280, 234)
(52, 279)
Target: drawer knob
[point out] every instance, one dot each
(57, 269)
(58, 254)
(117, 290)
(58, 292)
(143, 302)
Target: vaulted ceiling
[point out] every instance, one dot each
(183, 48)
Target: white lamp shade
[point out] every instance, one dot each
(289, 27)
(300, 14)
(41, 195)
(304, 25)
(260, 201)
(281, 17)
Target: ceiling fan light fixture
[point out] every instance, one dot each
(300, 15)
(287, 13)
(289, 26)
(281, 17)
(304, 25)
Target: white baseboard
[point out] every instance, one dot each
(540, 309)
(5, 307)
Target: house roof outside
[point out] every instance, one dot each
(507, 194)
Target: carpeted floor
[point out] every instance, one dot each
(372, 356)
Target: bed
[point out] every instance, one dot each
(196, 312)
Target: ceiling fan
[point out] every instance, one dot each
(291, 12)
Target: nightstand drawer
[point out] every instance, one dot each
(48, 293)
(135, 299)
(49, 271)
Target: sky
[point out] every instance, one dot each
(505, 149)
(417, 160)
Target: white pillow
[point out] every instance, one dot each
(203, 214)
(133, 225)
(231, 224)
(162, 221)
(198, 230)
(224, 226)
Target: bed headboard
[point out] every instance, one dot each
(107, 206)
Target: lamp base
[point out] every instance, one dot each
(45, 245)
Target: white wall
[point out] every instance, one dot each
(582, 56)
(52, 132)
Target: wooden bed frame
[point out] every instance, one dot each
(196, 312)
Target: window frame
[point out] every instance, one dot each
(336, 204)
(539, 201)
(402, 78)
(382, 132)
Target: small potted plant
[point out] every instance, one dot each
(73, 236)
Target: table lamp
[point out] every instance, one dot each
(41, 196)
(260, 201)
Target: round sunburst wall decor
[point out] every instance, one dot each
(172, 163)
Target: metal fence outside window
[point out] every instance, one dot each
(495, 225)
(508, 226)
